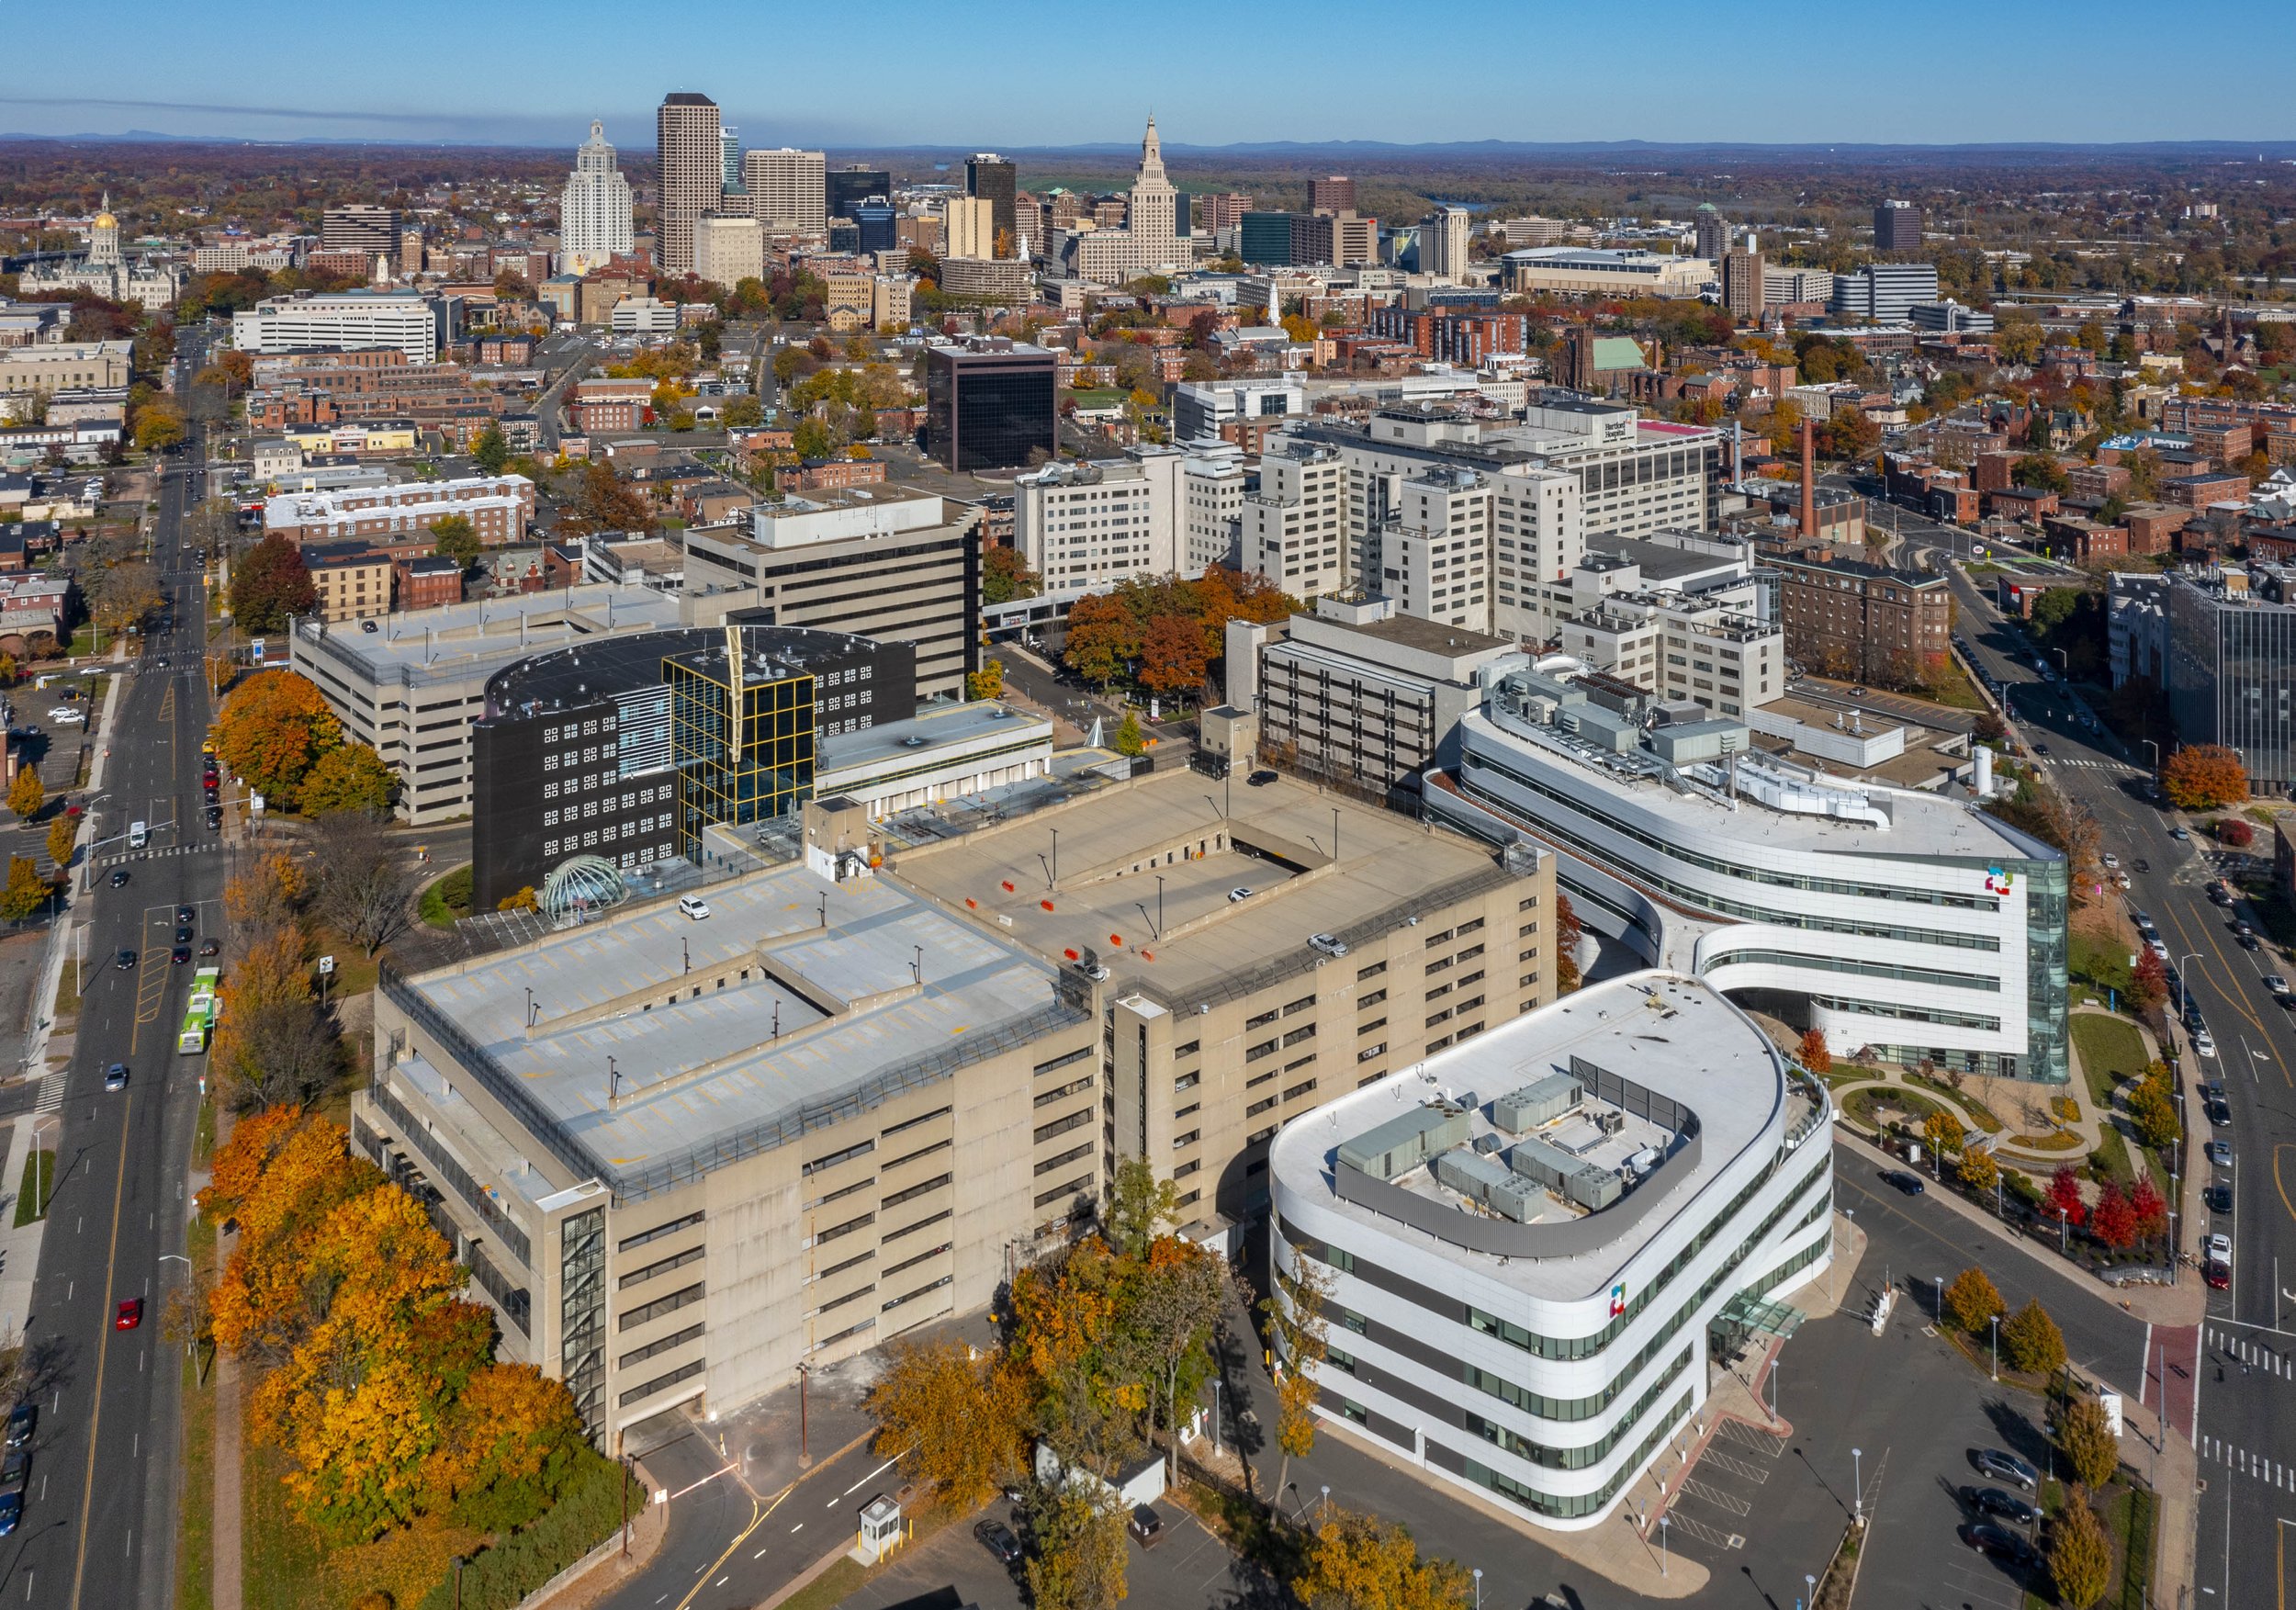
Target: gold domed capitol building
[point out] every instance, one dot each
(105, 272)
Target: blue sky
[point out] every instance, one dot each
(1018, 73)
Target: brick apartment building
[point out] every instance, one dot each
(1451, 335)
(611, 405)
(827, 474)
(1847, 618)
(498, 507)
(426, 582)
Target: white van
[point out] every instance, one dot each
(138, 835)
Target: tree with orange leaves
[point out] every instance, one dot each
(271, 1044)
(265, 897)
(2200, 777)
(269, 1296)
(272, 730)
(1172, 655)
(506, 1448)
(957, 1419)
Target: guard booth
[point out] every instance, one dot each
(880, 1530)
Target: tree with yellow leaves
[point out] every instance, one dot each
(506, 1450)
(1295, 1314)
(272, 731)
(957, 1419)
(265, 897)
(1360, 1562)
(1079, 1559)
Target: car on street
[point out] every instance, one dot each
(2142, 864)
(183, 932)
(2111, 860)
(116, 1077)
(2219, 1198)
(124, 960)
(2218, 1275)
(997, 1539)
(179, 955)
(210, 947)
(11, 1512)
(1999, 1504)
(2179, 835)
(2204, 1042)
(120, 877)
(185, 917)
(1911, 1183)
(131, 1315)
(16, 1470)
(2275, 983)
(2247, 942)
(2001, 1544)
(22, 1419)
(2001, 1466)
(2220, 1248)
(2041, 749)
(215, 819)
(2221, 1153)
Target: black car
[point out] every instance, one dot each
(2219, 1198)
(2001, 1544)
(215, 819)
(210, 947)
(124, 960)
(1146, 1525)
(179, 955)
(120, 877)
(2006, 1467)
(1260, 779)
(15, 1471)
(1911, 1183)
(2141, 864)
(2000, 1505)
(183, 933)
(185, 917)
(997, 1539)
(2247, 942)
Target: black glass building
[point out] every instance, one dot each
(846, 188)
(993, 179)
(988, 403)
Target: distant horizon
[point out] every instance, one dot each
(1686, 75)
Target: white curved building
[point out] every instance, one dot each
(1913, 926)
(1536, 1240)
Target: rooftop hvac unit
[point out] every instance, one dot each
(1539, 1102)
(1402, 1143)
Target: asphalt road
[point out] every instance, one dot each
(2244, 1560)
(98, 1527)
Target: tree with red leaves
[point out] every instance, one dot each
(2065, 1197)
(2148, 985)
(2114, 1222)
(2150, 1209)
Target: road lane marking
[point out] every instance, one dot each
(103, 1357)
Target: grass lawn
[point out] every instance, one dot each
(194, 1553)
(1954, 690)
(1865, 1105)
(37, 1186)
(355, 968)
(2100, 963)
(282, 1562)
(2110, 1051)
(67, 992)
(1975, 1110)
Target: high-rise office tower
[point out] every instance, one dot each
(846, 188)
(1897, 227)
(968, 227)
(1332, 196)
(1443, 238)
(1150, 236)
(692, 172)
(989, 177)
(785, 190)
(735, 193)
(594, 208)
(880, 226)
(359, 228)
(1710, 233)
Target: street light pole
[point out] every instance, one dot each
(1857, 1477)
(1996, 1345)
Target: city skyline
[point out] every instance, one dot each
(1684, 82)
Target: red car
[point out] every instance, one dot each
(131, 1315)
(2219, 1276)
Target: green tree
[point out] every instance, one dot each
(2081, 1560)
(269, 584)
(1138, 1204)
(811, 438)
(26, 891)
(352, 777)
(489, 451)
(1972, 1301)
(1175, 1302)
(457, 539)
(1129, 740)
(2031, 1342)
(741, 412)
(2084, 1437)
(1078, 1561)
(1006, 576)
(2039, 472)
(25, 794)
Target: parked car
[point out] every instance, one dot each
(16, 1470)
(2111, 860)
(2179, 834)
(2247, 942)
(1993, 1462)
(2275, 983)
(1326, 944)
(1911, 1183)
(2219, 1198)
(2204, 1042)
(2001, 1544)
(2219, 1276)
(21, 1421)
(1260, 779)
(1239, 893)
(2219, 1114)
(210, 947)
(694, 906)
(2221, 1153)
(997, 1539)
(2001, 1505)
(2220, 1248)
(11, 1512)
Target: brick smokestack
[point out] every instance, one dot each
(1809, 480)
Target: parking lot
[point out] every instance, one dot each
(1189, 1570)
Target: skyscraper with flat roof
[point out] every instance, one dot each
(693, 149)
(992, 178)
(1897, 227)
(1334, 195)
(846, 188)
(785, 190)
